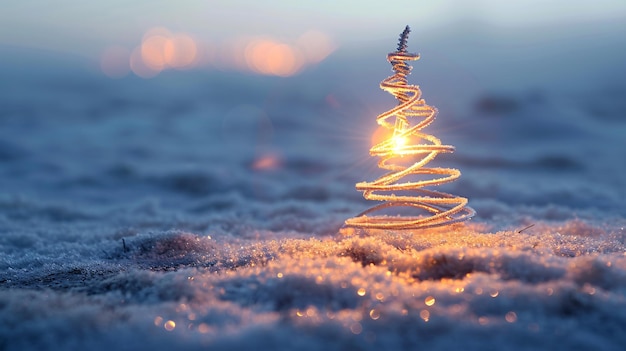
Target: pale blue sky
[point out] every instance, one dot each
(85, 27)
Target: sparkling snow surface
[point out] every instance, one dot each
(204, 211)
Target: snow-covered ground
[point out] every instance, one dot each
(203, 210)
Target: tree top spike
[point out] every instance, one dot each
(404, 37)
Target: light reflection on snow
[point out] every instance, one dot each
(374, 314)
(303, 283)
(511, 317)
(425, 315)
(169, 325)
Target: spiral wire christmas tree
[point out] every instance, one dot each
(441, 208)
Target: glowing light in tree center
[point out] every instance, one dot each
(399, 141)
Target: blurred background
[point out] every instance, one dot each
(149, 37)
(213, 104)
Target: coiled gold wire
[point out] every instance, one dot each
(437, 208)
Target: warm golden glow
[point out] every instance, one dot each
(270, 57)
(153, 52)
(169, 325)
(180, 51)
(274, 57)
(161, 49)
(399, 141)
(399, 147)
(265, 163)
(311, 311)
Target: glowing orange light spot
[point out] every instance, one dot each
(282, 60)
(153, 52)
(115, 62)
(361, 292)
(180, 51)
(429, 301)
(269, 57)
(425, 315)
(399, 142)
(169, 325)
(374, 314)
(254, 54)
(311, 311)
(158, 320)
(381, 134)
(267, 162)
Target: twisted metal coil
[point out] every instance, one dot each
(398, 155)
